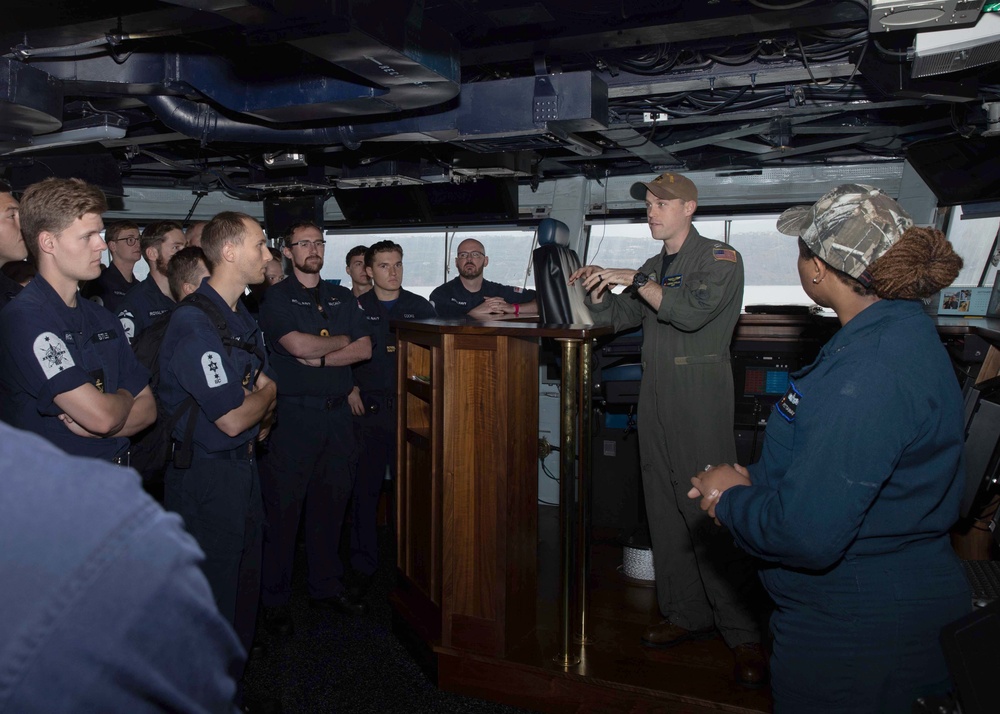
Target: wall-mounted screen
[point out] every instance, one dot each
(487, 200)
(959, 170)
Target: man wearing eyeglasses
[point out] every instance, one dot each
(117, 279)
(315, 331)
(151, 298)
(12, 247)
(471, 295)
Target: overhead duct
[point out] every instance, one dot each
(412, 65)
(505, 113)
(202, 122)
(497, 113)
(31, 102)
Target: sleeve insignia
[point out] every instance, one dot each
(211, 365)
(52, 355)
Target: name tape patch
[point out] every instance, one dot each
(789, 403)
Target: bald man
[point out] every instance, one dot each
(471, 295)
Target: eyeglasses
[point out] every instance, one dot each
(475, 255)
(307, 244)
(129, 240)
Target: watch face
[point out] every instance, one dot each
(640, 279)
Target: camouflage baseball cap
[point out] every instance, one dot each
(849, 228)
(666, 186)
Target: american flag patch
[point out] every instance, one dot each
(724, 254)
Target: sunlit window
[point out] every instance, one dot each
(770, 262)
(509, 252)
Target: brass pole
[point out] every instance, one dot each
(583, 492)
(567, 470)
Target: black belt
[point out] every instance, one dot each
(243, 452)
(314, 401)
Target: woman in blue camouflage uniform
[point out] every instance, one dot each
(861, 474)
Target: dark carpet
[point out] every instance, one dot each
(338, 663)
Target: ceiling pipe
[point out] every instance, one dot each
(203, 122)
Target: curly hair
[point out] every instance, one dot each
(920, 263)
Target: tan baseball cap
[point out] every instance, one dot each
(668, 186)
(850, 228)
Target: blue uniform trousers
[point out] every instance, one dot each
(377, 439)
(308, 467)
(219, 500)
(864, 637)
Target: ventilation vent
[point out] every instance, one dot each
(956, 50)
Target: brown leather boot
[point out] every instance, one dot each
(751, 665)
(667, 634)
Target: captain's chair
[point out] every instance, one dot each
(558, 302)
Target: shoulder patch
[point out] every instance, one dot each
(789, 403)
(128, 323)
(518, 289)
(211, 365)
(52, 355)
(724, 254)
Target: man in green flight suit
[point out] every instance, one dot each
(687, 299)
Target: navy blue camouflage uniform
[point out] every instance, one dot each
(452, 300)
(48, 348)
(857, 486)
(376, 428)
(312, 448)
(219, 494)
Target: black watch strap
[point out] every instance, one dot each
(639, 280)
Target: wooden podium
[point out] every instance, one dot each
(467, 489)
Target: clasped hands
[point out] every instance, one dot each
(710, 484)
(492, 306)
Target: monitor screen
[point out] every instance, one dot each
(761, 381)
(958, 170)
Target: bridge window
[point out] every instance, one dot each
(769, 257)
(429, 257)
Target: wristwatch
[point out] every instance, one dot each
(639, 280)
